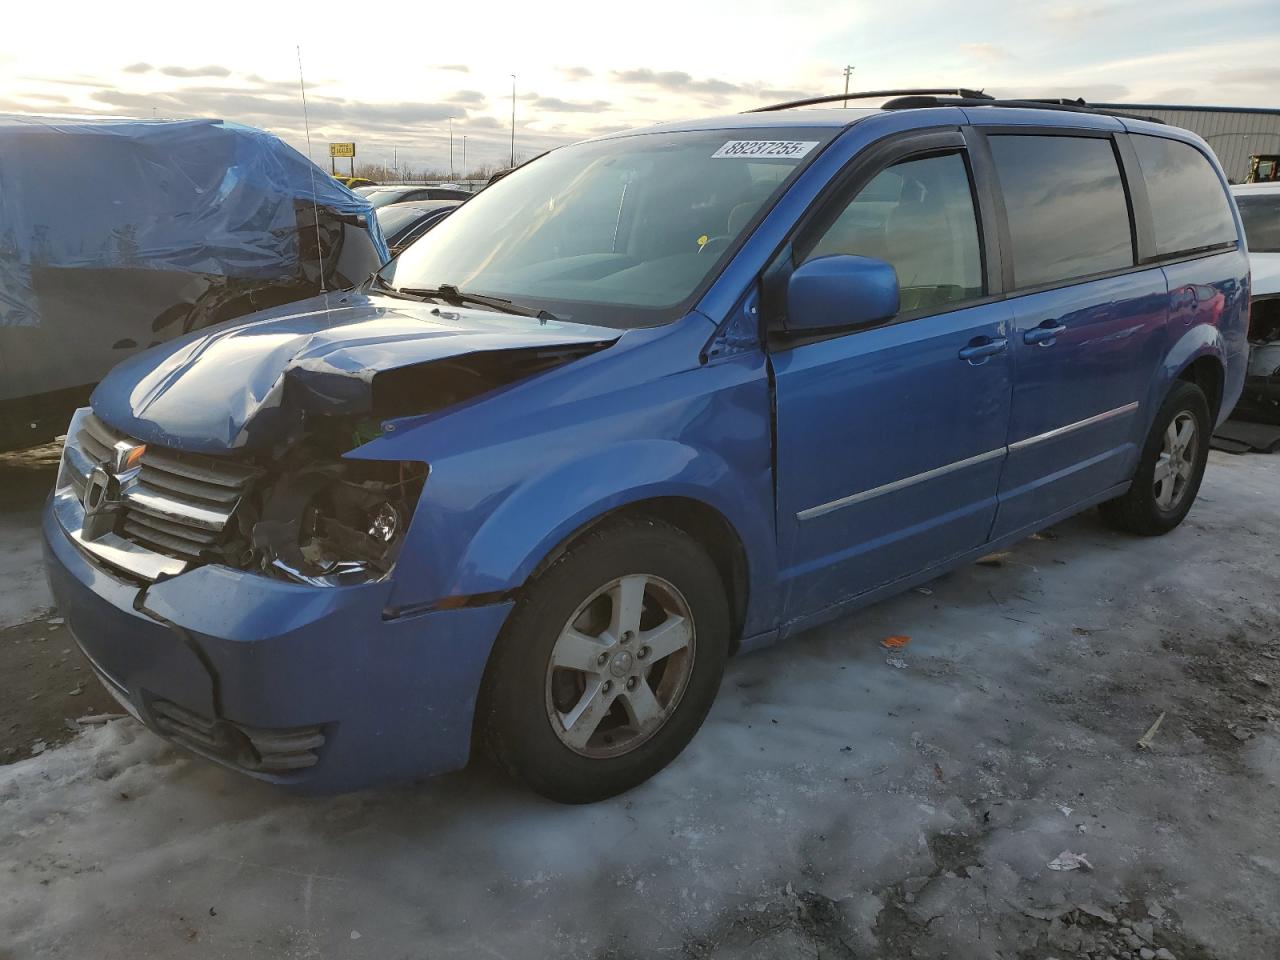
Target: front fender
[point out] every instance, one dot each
(547, 509)
(515, 474)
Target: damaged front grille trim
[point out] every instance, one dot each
(111, 549)
(173, 507)
(169, 511)
(167, 507)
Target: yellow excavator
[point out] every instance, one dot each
(1264, 168)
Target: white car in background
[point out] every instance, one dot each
(1260, 209)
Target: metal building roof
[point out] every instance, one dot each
(1234, 133)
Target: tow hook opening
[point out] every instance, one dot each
(235, 745)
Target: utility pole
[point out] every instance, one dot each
(395, 160)
(848, 72)
(513, 120)
(464, 156)
(451, 148)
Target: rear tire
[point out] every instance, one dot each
(609, 662)
(1170, 468)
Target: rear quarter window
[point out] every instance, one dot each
(1189, 205)
(1066, 204)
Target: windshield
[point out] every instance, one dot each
(1261, 216)
(615, 232)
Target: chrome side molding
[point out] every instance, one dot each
(881, 490)
(1072, 427)
(824, 508)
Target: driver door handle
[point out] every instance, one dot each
(980, 348)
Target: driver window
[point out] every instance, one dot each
(919, 216)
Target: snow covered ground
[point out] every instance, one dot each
(834, 805)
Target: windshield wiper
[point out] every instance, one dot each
(378, 282)
(450, 294)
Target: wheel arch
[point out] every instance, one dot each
(701, 521)
(726, 506)
(1208, 373)
(1199, 356)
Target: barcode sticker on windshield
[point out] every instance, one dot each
(750, 149)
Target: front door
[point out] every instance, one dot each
(891, 439)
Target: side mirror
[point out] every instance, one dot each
(841, 291)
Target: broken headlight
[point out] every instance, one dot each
(339, 524)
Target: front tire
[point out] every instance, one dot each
(609, 662)
(1170, 468)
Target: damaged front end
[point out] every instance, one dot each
(297, 508)
(1260, 400)
(333, 525)
(312, 517)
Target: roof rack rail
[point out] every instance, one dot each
(1079, 104)
(956, 97)
(873, 94)
(1048, 103)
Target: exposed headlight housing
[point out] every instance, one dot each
(339, 524)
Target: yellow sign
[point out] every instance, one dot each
(342, 149)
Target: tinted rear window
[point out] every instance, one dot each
(1261, 216)
(1068, 215)
(1189, 207)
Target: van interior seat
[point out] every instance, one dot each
(916, 244)
(742, 213)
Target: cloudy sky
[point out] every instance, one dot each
(394, 80)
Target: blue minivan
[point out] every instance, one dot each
(649, 401)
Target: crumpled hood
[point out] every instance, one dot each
(239, 384)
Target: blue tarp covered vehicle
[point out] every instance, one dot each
(116, 235)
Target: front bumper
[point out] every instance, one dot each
(308, 687)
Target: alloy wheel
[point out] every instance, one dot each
(1176, 464)
(620, 666)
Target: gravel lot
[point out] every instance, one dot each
(837, 803)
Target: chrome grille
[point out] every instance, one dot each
(179, 505)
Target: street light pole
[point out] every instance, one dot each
(513, 120)
(464, 156)
(451, 148)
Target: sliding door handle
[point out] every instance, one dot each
(1045, 334)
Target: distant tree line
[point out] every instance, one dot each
(407, 172)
